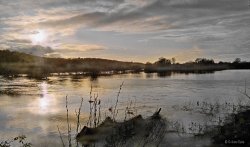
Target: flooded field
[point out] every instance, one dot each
(191, 103)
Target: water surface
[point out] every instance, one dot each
(36, 107)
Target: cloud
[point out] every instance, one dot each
(130, 16)
(216, 26)
(74, 50)
(143, 16)
(34, 50)
(63, 50)
(53, 55)
(20, 41)
(228, 5)
(124, 16)
(115, 12)
(80, 47)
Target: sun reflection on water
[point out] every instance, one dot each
(43, 101)
(46, 103)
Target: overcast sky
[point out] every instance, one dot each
(130, 30)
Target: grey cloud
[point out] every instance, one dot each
(208, 12)
(217, 26)
(98, 20)
(41, 51)
(102, 2)
(229, 5)
(34, 50)
(19, 41)
(77, 51)
(79, 19)
(175, 11)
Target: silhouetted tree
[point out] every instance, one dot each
(204, 61)
(173, 60)
(237, 60)
(149, 67)
(163, 61)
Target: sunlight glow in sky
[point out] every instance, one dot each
(39, 38)
(130, 30)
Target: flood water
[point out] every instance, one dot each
(36, 107)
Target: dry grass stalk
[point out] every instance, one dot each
(95, 109)
(245, 91)
(78, 116)
(99, 112)
(89, 123)
(115, 111)
(69, 126)
(60, 136)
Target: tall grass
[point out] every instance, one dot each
(69, 125)
(115, 111)
(78, 124)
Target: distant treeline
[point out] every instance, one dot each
(199, 65)
(14, 63)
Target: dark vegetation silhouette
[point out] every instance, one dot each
(235, 131)
(15, 63)
(200, 65)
